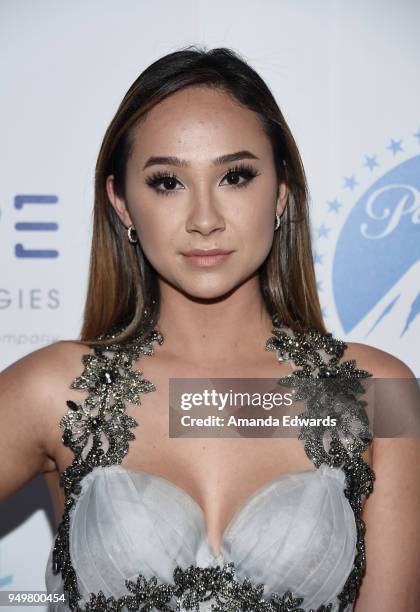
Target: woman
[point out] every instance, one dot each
(199, 157)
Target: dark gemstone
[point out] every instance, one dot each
(95, 422)
(72, 405)
(67, 436)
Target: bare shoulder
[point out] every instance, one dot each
(379, 363)
(391, 511)
(58, 365)
(33, 392)
(391, 451)
(43, 372)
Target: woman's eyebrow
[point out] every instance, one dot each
(183, 163)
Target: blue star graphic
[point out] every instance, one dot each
(334, 205)
(371, 162)
(323, 231)
(395, 146)
(417, 135)
(350, 182)
(318, 258)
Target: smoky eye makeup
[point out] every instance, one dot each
(169, 180)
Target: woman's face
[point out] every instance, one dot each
(206, 202)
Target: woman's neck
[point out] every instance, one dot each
(220, 332)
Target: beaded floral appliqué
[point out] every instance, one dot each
(98, 431)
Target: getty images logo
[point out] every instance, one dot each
(27, 203)
(374, 266)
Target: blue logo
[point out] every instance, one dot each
(23, 250)
(375, 266)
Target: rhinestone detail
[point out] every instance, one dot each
(98, 431)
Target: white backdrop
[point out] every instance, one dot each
(346, 78)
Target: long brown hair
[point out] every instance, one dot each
(123, 292)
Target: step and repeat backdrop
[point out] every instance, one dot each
(346, 78)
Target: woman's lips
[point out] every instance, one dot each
(203, 260)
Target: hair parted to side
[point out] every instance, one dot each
(123, 291)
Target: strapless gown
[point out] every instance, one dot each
(295, 545)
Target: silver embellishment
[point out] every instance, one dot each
(98, 432)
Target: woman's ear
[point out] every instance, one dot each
(283, 193)
(118, 203)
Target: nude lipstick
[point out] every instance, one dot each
(206, 257)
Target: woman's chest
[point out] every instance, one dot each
(218, 472)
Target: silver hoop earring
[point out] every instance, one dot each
(276, 227)
(132, 238)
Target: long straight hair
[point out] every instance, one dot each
(123, 292)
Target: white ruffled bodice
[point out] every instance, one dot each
(295, 533)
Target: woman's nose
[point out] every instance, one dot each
(204, 215)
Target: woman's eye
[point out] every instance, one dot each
(168, 181)
(234, 175)
(165, 183)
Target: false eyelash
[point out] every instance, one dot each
(246, 170)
